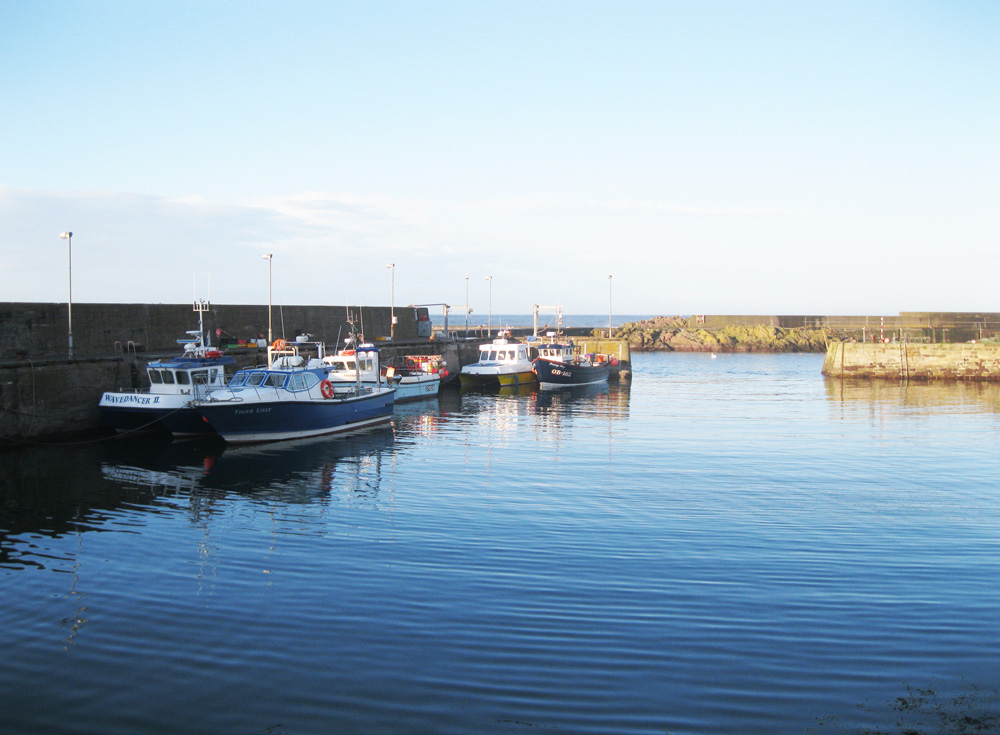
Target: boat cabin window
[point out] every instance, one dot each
(275, 380)
(296, 381)
(160, 376)
(237, 380)
(183, 378)
(255, 378)
(522, 354)
(204, 377)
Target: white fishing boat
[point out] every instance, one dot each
(415, 376)
(173, 384)
(501, 362)
(412, 380)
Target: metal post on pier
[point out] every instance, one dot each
(270, 336)
(68, 237)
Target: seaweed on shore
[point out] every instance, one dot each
(923, 711)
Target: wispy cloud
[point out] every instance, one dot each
(332, 248)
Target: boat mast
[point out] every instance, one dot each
(201, 306)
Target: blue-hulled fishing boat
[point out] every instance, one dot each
(292, 397)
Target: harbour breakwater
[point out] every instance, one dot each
(908, 361)
(803, 333)
(676, 334)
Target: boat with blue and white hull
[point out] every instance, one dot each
(292, 398)
(173, 384)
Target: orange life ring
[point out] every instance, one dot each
(279, 344)
(326, 388)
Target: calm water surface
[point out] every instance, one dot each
(730, 545)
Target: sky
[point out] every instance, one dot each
(719, 157)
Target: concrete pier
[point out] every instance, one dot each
(913, 361)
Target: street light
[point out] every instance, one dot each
(68, 237)
(466, 305)
(392, 302)
(267, 257)
(609, 308)
(489, 328)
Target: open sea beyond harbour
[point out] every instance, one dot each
(725, 545)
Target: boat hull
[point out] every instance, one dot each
(555, 374)
(408, 388)
(276, 420)
(483, 375)
(415, 388)
(523, 377)
(128, 412)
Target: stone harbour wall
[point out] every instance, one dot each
(48, 399)
(909, 361)
(39, 330)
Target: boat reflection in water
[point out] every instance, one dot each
(301, 470)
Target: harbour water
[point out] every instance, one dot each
(726, 545)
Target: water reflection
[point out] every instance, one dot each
(909, 397)
(607, 399)
(51, 492)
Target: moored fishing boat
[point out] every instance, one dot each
(292, 397)
(558, 364)
(501, 362)
(173, 384)
(412, 377)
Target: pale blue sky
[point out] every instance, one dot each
(714, 157)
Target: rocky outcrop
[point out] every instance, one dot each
(672, 334)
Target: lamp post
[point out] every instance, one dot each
(268, 257)
(392, 301)
(489, 328)
(68, 237)
(466, 305)
(610, 310)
